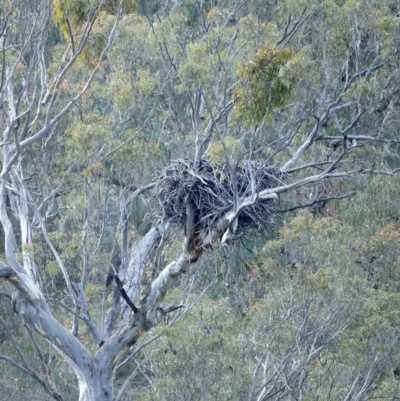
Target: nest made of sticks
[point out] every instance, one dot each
(212, 189)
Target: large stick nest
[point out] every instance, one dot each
(211, 191)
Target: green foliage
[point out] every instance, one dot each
(267, 82)
(70, 14)
(329, 280)
(375, 204)
(73, 11)
(229, 147)
(317, 277)
(209, 360)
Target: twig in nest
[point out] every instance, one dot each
(212, 192)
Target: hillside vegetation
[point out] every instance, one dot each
(199, 200)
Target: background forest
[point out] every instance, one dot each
(298, 298)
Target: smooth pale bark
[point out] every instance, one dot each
(30, 303)
(26, 233)
(95, 373)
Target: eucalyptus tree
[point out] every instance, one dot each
(253, 104)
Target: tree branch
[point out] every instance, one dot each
(317, 201)
(124, 294)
